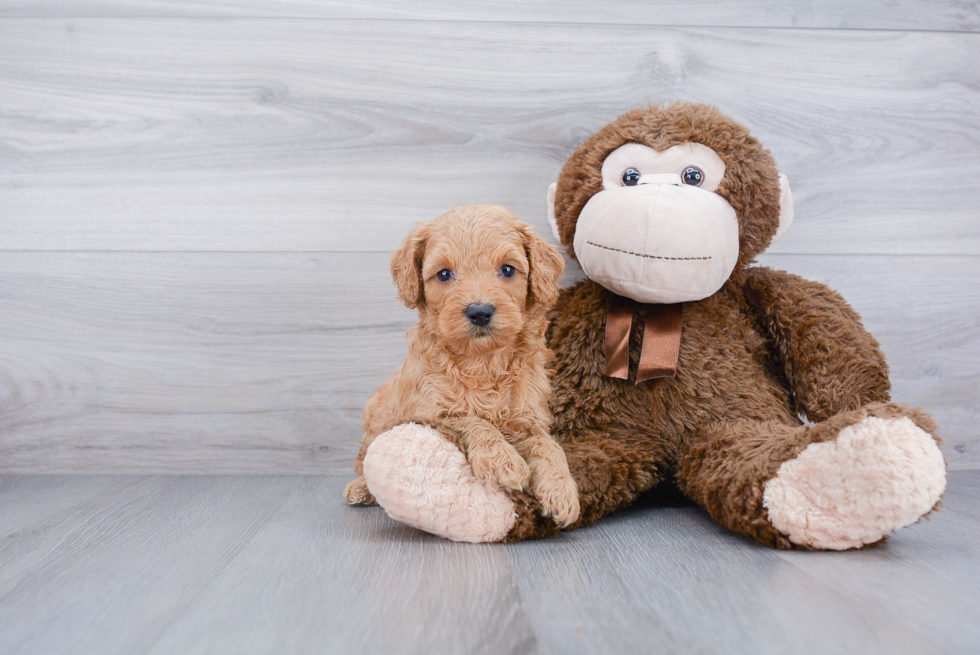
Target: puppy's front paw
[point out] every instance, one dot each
(558, 496)
(500, 465)
(356, 493)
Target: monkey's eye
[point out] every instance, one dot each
(631, 177)
(693, 176)
(507, 270)
(445, 275)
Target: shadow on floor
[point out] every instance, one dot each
(666, 494)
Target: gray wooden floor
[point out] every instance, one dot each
(205, 564)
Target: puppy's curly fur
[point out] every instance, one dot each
(486, 387)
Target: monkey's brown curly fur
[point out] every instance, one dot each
(765, 349)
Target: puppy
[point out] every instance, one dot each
(482, 282)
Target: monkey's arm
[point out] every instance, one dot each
(832, 363)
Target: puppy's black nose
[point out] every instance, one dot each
(479, 314)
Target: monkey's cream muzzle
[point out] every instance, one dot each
(660, 241)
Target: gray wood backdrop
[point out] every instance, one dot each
(197, 199)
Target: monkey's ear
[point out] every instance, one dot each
(545, 266)
(785, 207)
(552, 221)
(406, 267)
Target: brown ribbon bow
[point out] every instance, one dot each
(661, 340)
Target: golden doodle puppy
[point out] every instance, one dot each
(482, 282)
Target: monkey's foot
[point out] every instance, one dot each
(879, 475)
(422, 479)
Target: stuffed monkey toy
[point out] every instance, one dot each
(679, 361)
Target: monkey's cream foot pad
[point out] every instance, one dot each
(422, 479)
(879, 475)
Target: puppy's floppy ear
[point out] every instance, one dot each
(545, 266)
(406, 267)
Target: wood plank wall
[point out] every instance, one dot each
(197, 199)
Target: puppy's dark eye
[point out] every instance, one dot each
(693, 176)
(445, 275)
(507, 270)
(631, 177)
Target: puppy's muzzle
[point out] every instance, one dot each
(479, 314)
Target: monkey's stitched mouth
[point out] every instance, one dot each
(640, 254)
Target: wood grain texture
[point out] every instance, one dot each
(662, 580)
(955, 15)
(248, 363)
(281, 565)
(133, 557)
(218, 194)
(336, 135)
(261, 362)
(339, 580)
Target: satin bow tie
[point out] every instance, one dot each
(661, 340)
